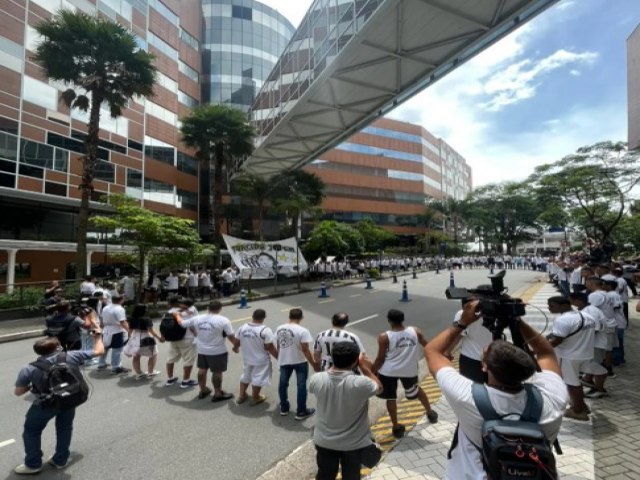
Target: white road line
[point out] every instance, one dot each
(241, 319)
(327, 301)
(363, 319)
(7, 442)
(355, 295)
(287, 309)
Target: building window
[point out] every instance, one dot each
(188, 71)
(43, 156)
(134, 183)
(8, 146)
(189, 39)
(39, 93)
(187, 200)
(73, 145)
(161, 113)
(157, 191)
(105, 171)
(55, 189)
(160, 151)
(166, 82)
(187, 100)
(164, 11)
(187, 164)
(163, 46)
(244, 13)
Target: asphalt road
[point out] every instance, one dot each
(142, 430)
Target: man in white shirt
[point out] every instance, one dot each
(610, 286)
(573, 336)
(87, 287)
(294, 351)
(115, 333)
(228, 278)
(507, 368)
(192, 284)
(128, 289)
(171, 284)
(256, 342)
(325, 340)
(599, 299)
(397, 360)
(211, 331)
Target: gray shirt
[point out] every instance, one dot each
(342, 419)
(34, 377)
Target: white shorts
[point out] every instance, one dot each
(256, 375)
(571, 369)
(184, 349)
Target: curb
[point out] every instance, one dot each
(13, 337)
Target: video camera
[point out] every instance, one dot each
(498, 310)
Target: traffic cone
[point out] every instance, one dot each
(243, 299)
(368, 287)
(452, 282)
(323, 291)
(395, 277)
(415, 274)
(405, 292)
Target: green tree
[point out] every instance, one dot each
(151, 233)
(452, 211)
(101, 63)
(219, 134)
(333, 238)
(256, 190)
(375, 238)
(593, 186)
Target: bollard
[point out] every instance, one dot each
(395, 277)
(452, 282)
(415, 274)
(243, 299)
(491, 269)
(437, 268)
(323, 291)
(405, 293)
(368, 287)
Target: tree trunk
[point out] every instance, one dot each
(86, 185)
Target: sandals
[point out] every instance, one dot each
(222, 398)
(204, 393)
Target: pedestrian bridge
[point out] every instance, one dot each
(352, 61)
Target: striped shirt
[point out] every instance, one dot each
(325, 341)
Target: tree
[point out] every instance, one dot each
(375, 238)
(452, 211)
(101, 63)
(219, 134)
(333, 238)
(149, 232)
(256, 190)
(592, 186)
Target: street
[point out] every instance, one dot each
(141, 429)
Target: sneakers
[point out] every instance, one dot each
(186, 383)
(257, 401)
(587, 384)
(24, 470)
(55, 465)
(398, 431)
(171, 381)
(101, 367)
(141, 376)
(582, 416)
(611, 375)
(284, 411)
(595, 393)
(153, 373)
(432, 416)
(204, 393)
(119, 370)
(306, 414)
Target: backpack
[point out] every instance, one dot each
(514, 449)
(58, 326)
(63, 385)
(170, 329)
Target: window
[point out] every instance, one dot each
(7, 167)
(381, 152)
(135, 145)
(159, 150)
(39, 93)
(36, 154)
(166, 82)
(187, 200)
(103, 143)
(161, 113)
(188, 71)
(105, 171)
(73, 145)
(8, 146)
(134, 183)
(187, 100)
(8, 125)
(7, 180)
(55, 189)
(157, 191)
(163, 46)
(187, 164)
(189, 39)
(29, 171)
(244, 13)
(164, 11)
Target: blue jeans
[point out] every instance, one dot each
(116, 358)
(618, 352)
(302, 373)
(35, 422)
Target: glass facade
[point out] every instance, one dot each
(242, 42)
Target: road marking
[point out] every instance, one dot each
(363, 319)
(355, 295)
(7, 442)
(244, 319)
(327, 301)
(287, 309)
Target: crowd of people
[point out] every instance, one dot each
(585, 344)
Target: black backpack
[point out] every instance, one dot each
(514, 449)
(59, 326)
(63, 385)
(170, 329)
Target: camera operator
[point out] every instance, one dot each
(507, 367)
(66, 326)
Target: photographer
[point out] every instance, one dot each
(507, 367)
(342, 431)
(33, 378)
(66, 326)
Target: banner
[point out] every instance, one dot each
(260, 260)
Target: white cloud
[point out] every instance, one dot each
(575, 73)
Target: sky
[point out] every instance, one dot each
(555, 84)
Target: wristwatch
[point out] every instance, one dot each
(459, 325)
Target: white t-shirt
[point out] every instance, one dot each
(618, 312)
(576, 346)
(290, 338)
(186, 315)
(172, 282)
(600, 325)
(623, 289)
(474, 339)
(254, 337)
(209, 337)
(465, 463)
(600, 300)
(112, 315)
(576, 276)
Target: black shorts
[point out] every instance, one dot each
(390, 387)
(215, 363)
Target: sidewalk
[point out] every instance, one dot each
(603, 448)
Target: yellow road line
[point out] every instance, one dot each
(530, 292)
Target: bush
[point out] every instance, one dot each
(373, 273)
(29, 297)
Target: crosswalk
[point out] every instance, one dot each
(538, 315)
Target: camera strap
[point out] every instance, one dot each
(579, 328)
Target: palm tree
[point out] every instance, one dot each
(257, 190)
(218, 133)
(101, 63)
